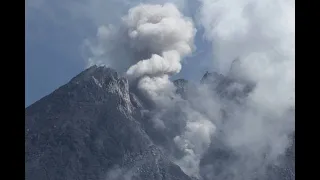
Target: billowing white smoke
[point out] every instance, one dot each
(159, 33)
(167, 36)
(149, 45)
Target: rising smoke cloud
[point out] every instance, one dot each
(150, 44)
(155, 39)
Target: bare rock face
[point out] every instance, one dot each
(227, 87)
(87, 129)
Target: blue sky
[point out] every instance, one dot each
(55, 32)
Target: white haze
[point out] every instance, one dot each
(261, 35)
(149, 45)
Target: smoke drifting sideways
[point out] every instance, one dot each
(150, 44)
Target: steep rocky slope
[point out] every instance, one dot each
(87, 129)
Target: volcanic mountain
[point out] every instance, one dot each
(94, 128)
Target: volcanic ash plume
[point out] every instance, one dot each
(167, 36)
(149, 45)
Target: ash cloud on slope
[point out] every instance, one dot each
(150, 44)
(154, 40)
